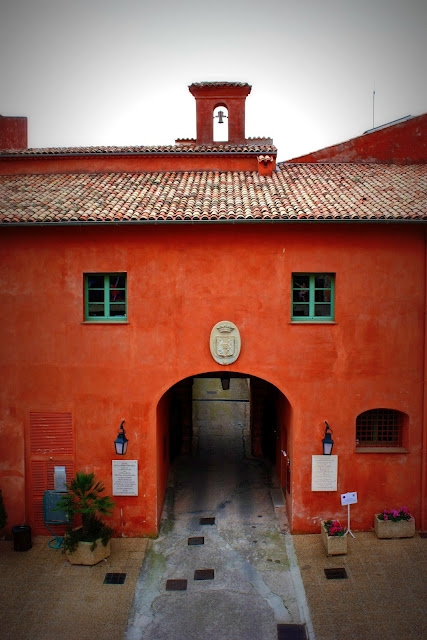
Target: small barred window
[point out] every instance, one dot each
(379, 428)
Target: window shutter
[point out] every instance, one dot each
(51, 434)
(51, 445)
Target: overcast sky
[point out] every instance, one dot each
(104, 72)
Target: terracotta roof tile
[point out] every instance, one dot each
(184, 148)
(293, 192)
(220, 84)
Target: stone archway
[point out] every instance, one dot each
(262, 398)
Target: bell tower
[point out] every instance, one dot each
(209, 96)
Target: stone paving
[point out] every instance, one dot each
(384, 596)
(255, 579)
(44, 597)
(262, 575)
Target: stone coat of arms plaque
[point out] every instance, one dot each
(225, 342)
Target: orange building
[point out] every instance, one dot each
(129, 273)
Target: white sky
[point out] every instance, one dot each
(116, 72)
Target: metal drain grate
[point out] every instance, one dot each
(204, 574)
(196, 540)
(336, 574)
(291, 632)
(176, 585)
(207, 521)
(114, 578)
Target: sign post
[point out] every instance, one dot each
(348, 499)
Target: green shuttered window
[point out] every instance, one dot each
(105, 297)
(313, 297)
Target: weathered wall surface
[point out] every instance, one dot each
(181, 282)
(13, 132)
(405, 142)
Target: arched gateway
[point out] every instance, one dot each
(218, 402)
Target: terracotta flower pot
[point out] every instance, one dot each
(334, 545)
(390, 529)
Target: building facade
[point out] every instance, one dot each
(129, 273)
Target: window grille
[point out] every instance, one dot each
(379, 428)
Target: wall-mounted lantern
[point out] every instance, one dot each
(225, 382)
(121, 442)
(327, 442)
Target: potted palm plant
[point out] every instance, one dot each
(87, 541)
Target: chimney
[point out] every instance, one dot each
(209, 96)
(13, 132)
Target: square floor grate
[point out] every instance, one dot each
(114, 578)
(336, 574)
(196, 540)
(176, 585)
(207, 521)
(204, 574)
(291, 632)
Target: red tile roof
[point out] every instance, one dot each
(220, 84)
(293, 192)
(185, 148)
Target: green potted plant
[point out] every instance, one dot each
(334, 537)
(87, 541)
(394, 523)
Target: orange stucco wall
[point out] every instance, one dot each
(13, 132)
(182, 280)
(110, 163)
(405, 142)
(163, 413)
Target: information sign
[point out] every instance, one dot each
(125, 477)
(349, 498)
(324, 473)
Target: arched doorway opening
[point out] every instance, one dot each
(220, 124)
(234, 419)
(243, 400)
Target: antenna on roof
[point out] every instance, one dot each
(373, 108)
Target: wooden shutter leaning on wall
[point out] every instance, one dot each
(51, 444)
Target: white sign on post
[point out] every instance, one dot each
(324, 473)
(349, 498)
(125, 477)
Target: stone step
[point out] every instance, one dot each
(277, 497)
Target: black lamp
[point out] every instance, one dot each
(121, 442)
(225, 382)
(327, 442)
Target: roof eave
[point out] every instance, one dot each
(227, 221)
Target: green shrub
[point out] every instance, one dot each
(84, 504)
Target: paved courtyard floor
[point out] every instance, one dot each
(43, 597)
(255, 575)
